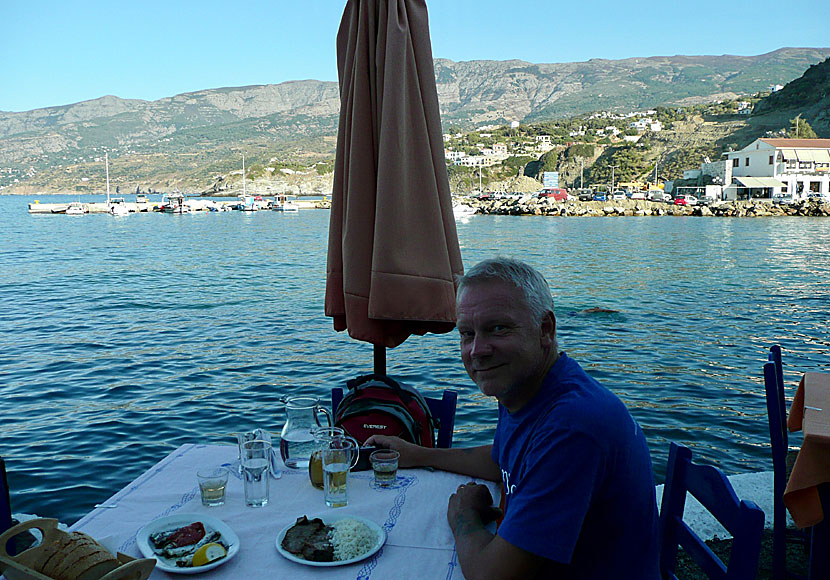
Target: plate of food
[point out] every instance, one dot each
(188, 543)
(330, 540)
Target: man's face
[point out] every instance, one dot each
(504, 349)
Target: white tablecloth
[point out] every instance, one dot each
(419, 541)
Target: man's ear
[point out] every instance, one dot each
(548, 331)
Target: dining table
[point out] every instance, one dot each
(807, 495)
(412, 512)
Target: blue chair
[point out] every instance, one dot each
(782, 462)
(743, 519)
(443, 411)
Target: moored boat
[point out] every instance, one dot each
(285, 203)
(463, 210)
(76, 208)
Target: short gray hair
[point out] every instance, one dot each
(523, 276)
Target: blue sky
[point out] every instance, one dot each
(65, 51)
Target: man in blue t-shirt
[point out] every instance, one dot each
(576, 474)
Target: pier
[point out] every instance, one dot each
(196, 204)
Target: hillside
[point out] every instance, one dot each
(192, 140)
(808, 96)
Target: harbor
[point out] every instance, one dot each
(187, 205)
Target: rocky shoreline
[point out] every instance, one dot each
(532, 205)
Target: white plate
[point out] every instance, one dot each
(176, 521)
(328, 520)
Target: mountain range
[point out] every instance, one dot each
(190, 140)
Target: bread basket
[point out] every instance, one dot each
(67, 556)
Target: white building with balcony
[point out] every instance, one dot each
(769, 167)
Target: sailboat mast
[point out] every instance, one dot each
(107, 162)
(243, 174)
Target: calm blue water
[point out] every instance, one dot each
(123, 338)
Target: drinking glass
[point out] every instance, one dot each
(212, 483)
(322, 435)
(385, 466)
(256, 456)
(339, 455)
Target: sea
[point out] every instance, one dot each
(122, 338)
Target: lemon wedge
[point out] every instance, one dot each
(209, 553)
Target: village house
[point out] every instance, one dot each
(785, 168)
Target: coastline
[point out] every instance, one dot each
(532, 205)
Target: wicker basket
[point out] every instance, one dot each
(67, 556)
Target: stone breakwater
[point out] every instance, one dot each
(531, 205)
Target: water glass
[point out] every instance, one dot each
(212, 484)
(385, 466)
(339, 456)
(256, 456)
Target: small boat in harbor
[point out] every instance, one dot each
(174, 203)
(76, 208)
(463, 210)
(247, 203)
(117, 206)
(285, 203)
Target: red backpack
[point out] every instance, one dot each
(379, 405)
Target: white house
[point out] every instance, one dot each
(453, 155)
(769, 167)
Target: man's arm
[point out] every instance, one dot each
(481, 553)
(473, 461)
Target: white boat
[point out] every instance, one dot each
(463, 210)
(116, 206)
(247, 203)
(174, 203)
(76, 208)
(285, 203)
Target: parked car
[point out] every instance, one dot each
(636, 195)
(619, 194)
(782, 198)
(600, 197)
(685, 199)
(659, 196)
(557, 193)
(819, 197)
(585, 195)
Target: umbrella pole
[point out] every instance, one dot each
(380, 359)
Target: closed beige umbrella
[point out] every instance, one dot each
(393, 250)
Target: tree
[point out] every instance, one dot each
(800, 129)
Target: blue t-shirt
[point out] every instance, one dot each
(578, 483)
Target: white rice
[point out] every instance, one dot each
(351, 538)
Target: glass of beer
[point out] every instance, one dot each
(339, 455)
(322, 436)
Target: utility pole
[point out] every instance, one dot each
(612, 177)
(581, 167)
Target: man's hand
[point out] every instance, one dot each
(471, 504)
(409, 451)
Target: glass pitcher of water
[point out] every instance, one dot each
(297, 439)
